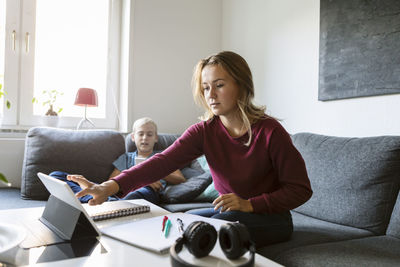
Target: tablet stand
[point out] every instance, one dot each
(66, 221)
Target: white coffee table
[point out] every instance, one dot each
(117, 253)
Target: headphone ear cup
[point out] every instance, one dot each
(200, 238)
(234, 239)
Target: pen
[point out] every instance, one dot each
(167, 227)
(163, 223)
(180, 225)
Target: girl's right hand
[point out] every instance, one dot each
(99, 192)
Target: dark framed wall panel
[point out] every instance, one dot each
(359, 48)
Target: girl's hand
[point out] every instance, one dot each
(100, 192)
(156, 186)
(229, 202)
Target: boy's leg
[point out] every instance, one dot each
(146, 192)
(74, 186)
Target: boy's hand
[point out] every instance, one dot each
(231, 201)
(100, 192)
(157, 186)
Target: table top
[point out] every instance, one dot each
(110, 252)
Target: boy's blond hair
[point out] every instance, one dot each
(142, 121)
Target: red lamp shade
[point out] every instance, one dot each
(86, 97)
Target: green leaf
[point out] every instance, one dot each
(61, 109)
(4, 179)
(8, 104)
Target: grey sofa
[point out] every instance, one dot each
(352, 219)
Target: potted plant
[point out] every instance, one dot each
(4, 180)
(3, 93)
(49, 99)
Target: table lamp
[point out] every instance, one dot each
(86, 97)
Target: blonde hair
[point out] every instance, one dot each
(239, 70)
(142, 121)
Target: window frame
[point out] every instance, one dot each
(19, 69)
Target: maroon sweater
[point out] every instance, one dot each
(270, 172)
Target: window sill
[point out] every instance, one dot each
(20, 132)
(13, 132)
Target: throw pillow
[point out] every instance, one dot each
(351, 176)
(195, 183)
(90, 153)
(208, 195)
(203, 163)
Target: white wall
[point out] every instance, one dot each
(280, 41)
(169, 38)
(11, 158)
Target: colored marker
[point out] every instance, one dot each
(180, 225)
(167, 227)
(163, 223)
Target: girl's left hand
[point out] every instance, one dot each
(229, 202)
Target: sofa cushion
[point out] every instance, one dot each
(208, 195)
(394, 224)
(88, 152)
(196, 182)
(203, 163)
(310, 231)
(370, 251)
(355, 180)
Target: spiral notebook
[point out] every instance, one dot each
(114, 209)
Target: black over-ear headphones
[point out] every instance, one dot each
(200, 237)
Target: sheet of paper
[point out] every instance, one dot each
(148, 233)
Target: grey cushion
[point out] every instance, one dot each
(394, 225)
(208, 195)
(187, 191)
(88, 152)
(355, 180)
(379, 251)
(310, 231)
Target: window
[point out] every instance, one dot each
(59, 45)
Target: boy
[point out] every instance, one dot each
(144, 134)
